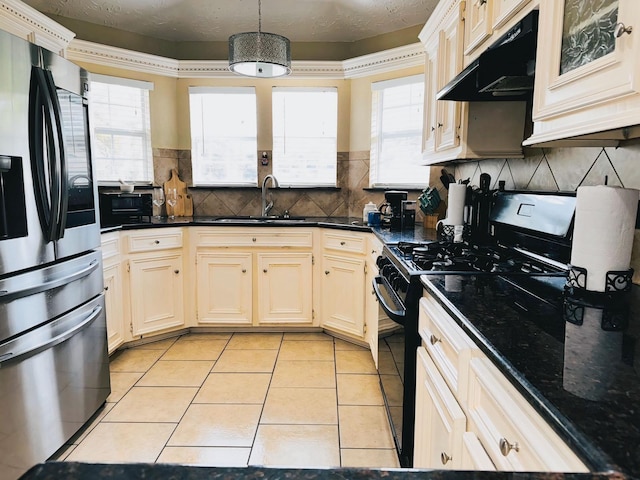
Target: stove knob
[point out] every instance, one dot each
(387, 270)
(393, 278)
(381, 261)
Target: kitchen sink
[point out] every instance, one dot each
(251, 219)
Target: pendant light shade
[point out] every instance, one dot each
(259, 54)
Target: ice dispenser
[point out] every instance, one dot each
(13, 212)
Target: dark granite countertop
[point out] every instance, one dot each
(80, 471)
(416, 234)
(583, 379)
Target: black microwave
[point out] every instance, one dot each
(122, 208)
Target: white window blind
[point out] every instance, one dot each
(305, 130)
(396, 133)
(121, 132)
(224, 135)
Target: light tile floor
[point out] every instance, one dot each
(273, 399)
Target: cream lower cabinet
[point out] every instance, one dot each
(113, 290)
(254, 277)
(224, 286)
(284, 288)
(440, 422)
(156, 292)
(468, 414)
(343, 294)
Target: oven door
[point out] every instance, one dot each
(389, 300)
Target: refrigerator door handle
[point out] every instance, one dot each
(6, 295)
(61, 162)
(23, 349)
(36, 148)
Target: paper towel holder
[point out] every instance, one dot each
(615, 280)
(615, 315)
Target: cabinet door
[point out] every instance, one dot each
(440, 422)
(504, 10)
(156, 288)
(477, 24)
(113, 305)
(284, 288)
(224, 288)
(587, 82)
(343, 294)
(449, 65)
(474, 456)
(371, 311)
(430, 89)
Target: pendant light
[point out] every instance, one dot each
(259, 54)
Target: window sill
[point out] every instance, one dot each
(286, 187)
(395, 187)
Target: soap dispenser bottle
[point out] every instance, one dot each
(369, 207)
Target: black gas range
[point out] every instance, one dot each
(526, 242)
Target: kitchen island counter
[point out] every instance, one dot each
(80, 471)
(582, 377)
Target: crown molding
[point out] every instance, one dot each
(25, 22)
(385, 61)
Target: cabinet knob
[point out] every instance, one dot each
(433, 339)
(157, 242)
(433, 129)
(506, 447)
(326, 272)
(444, 458)
(253, 239)
(480, 3)
(264, 270)
(621, 29)
(439, 125)
(106, 288)
(343, 243)
(176, 271)
(244, 270)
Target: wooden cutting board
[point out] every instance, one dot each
(181, 189)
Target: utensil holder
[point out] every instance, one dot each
(430, 221)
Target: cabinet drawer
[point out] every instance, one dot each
(254, 237)
(514, 435)
(345, 242)
(450, 348)
(110, 244)
(156, 239)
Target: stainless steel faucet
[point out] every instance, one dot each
(266, 207)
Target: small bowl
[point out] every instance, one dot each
(126, 188)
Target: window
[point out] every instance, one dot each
(396, 134)
(121, 140)
(305, 131)
(223, 135)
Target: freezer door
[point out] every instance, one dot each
(22, 245)
(39, 296)
(52, 380)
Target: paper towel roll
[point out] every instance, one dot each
(455, 203)
(603, 231)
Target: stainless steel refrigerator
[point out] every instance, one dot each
(54, 371)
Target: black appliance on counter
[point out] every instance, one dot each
(528, 245)
(403, 211)
(125, 208)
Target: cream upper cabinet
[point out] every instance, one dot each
(284, 288)
(477, 24)
(224, 286)
(587, 71)
(458, 130)
(503, 10)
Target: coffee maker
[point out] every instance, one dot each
(395, 198)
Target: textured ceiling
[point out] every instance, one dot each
(216, 20)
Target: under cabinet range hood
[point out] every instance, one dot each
(505, 71)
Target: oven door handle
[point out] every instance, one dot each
(396, 314)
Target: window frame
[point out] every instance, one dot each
(320, 89)
(145, 134)
(230, 90)
(377, 104)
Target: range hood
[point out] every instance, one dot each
(505, 71)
